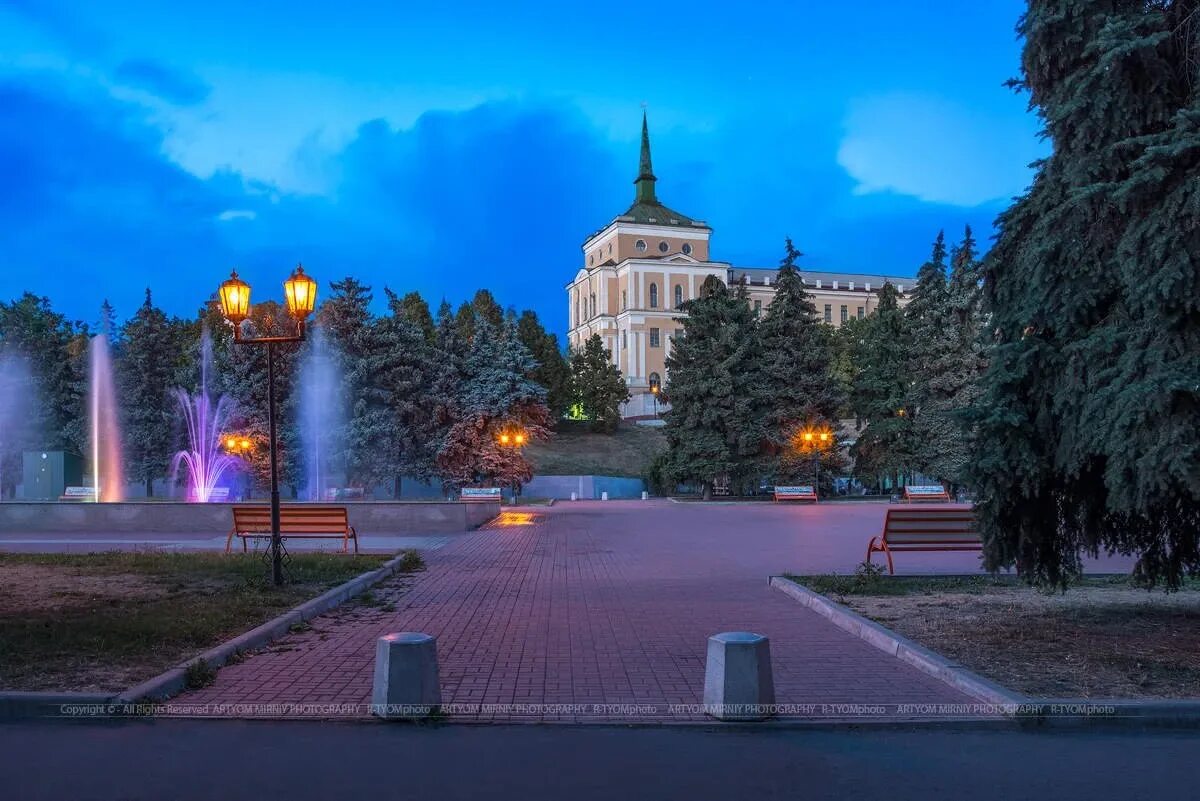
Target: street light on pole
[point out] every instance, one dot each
(816, 440)
(300, 293)
(654, 390)
(512, 438)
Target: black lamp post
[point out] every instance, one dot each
(300, 292)
(512, 438)
(816, 441)
(654, 391)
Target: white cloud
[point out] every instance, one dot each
(937, 150)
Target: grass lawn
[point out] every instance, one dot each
(106, 621)
(576, 451)
(1103, 638)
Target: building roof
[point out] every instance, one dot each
(646, 209)
(758, 276)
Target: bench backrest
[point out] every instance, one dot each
(930, 526)
(802, 491)
(78, 492)
(930, 492)
(293, 518)
(471, 494)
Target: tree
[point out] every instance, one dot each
(929, 332)
(486, 308)
(150, 358)
(346, 318)
(796, 376)
(881, 390)
(597, 386)
(715, 425)
(1089, 415)
(413, 308)
(496, 395)
(399, 366)
(552, 370)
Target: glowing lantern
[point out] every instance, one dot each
(301, 294)
(235, 299)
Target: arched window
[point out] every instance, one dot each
(678, 295)
(663, 247)
(655, 382)
(593, 304)
(687, 249)
(654, 296)
(640, 245)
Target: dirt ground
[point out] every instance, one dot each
(1091, 642)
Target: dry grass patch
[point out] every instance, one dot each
(1100, 639)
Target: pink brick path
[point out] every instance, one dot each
(608, 603)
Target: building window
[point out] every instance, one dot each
(678, 335)
(640, 245)
(678, 295)
(757, 308)
(592, 259)
(624, 343)
(663, 247)
(861, 312)
(687, 249)
(828, 313)
(654, 342)
(655, 382)
(610, 248)
(577, 311)
(593, 304)
(624, 299)
(654, 296)
(845, 315)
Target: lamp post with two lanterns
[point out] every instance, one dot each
(300, 292)
(816, 440)
(512, 438)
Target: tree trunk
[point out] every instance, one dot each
(398, 487)
(707, 491)
(149, 488)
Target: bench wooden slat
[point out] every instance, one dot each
(927, 529)
(300, 521)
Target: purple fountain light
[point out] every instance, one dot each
(108, 479)
(203, 460)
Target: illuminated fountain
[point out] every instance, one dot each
(204, 461)
(108, 480)
(320, 412)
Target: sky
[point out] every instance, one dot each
(445, 147)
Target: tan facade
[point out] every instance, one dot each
(639, 268)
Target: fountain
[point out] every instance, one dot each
(108, 479)
(203, 460)
(321, 411)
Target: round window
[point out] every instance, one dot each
(663, 247)
(640, 244)
(687, 249)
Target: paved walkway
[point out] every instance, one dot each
(593, 604)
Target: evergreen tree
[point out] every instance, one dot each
(486, 308)
(1089, 416)
(881, 390)
(796, 379)
(414, 309)
(445, 378)
(552, 370)
(597, 386)
(496, 395)
(150, 358)
(464, 321)
(929, 333)
(346, 319)
(715, 425)
(399, 366)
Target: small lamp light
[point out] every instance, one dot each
(244, 444)
(235, 299)
(231, 443)
(520, 439)
(504, 439)
(301, 294)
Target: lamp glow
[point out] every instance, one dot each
(301, 294)
(234, 295)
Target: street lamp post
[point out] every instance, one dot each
(816, 442)
(512, 439)
(300, 292)
(654, 392)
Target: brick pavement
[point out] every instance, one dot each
(601, 603)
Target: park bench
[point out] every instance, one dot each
(479, 494)
(804, 493)
(77, 494)
(934, 493)
(925, 530)
(296, 521)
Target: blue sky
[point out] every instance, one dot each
(447, 147)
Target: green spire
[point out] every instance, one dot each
(645, 180)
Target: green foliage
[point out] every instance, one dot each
(413, 308)
(715, 426)
(552, 370)
(796, 359)
(880, 390)
(1089, 415)
(597, 386)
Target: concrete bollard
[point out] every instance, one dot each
(406, 676)
(645, 495)
(737, 676)
(574, 496)
(604, 496)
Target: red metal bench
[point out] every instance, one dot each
(296, 521)
(804, 493)
(934, 493)
(925, 530)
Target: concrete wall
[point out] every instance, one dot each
(585, 487)
(215, 518)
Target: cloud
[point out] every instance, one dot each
(169, 84)
(937, 151)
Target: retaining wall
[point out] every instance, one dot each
(585, 487)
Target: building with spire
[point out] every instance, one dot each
(647, 262)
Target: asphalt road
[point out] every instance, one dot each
(258, 761)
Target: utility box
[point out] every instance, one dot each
(47, 474)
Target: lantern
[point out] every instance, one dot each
(301, 294)
(235, 299)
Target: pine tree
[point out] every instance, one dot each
(881, 390)
(399, 366)
(445, 371)
(552, 370)
(149, 358)
(796, 379)
(597, 386)
(1089, 416)
(346, 318)
(496, 395)
(715, 428)
(486, 308)
(414, 309)
(930, 337)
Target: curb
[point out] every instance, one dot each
(40, 704)
(174, 681)
(902, 648)
(1027, 712)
